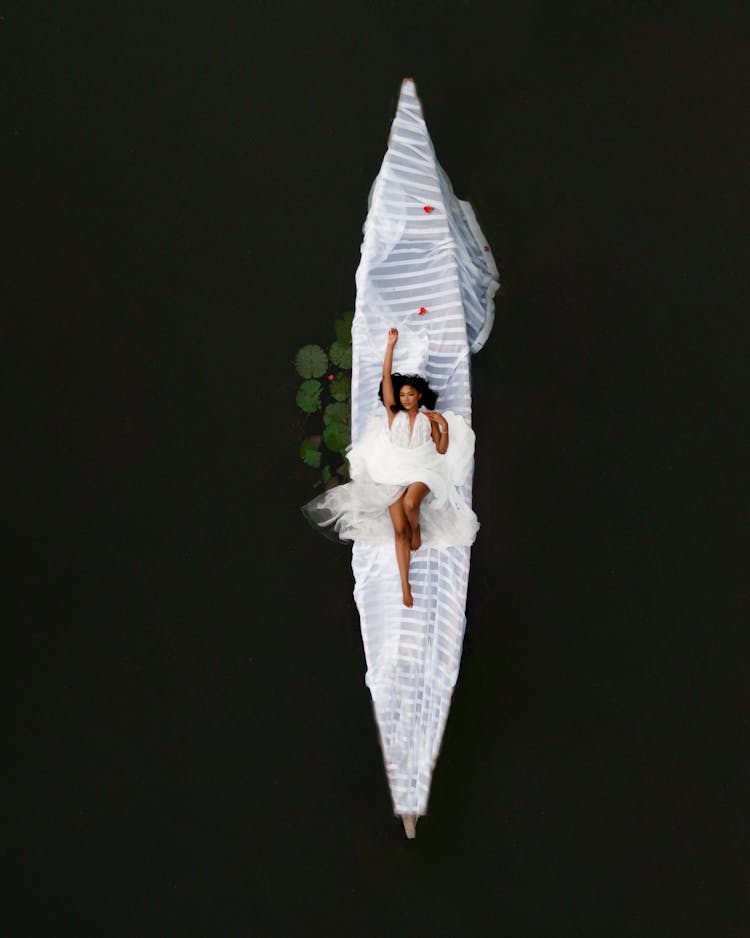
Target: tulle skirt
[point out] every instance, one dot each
(380, 472)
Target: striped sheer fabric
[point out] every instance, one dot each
(426, 269)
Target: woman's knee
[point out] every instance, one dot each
(411, 503)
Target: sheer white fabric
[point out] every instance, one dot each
(383, 463)
(422, 249)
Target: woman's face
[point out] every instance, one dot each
(409, 397)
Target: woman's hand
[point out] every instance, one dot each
(392, 337)
(437, 418)
(440, 439)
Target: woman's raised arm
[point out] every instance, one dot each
(389, 397)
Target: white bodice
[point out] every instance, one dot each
(401, 430)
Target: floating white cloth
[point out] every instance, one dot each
(427, 270)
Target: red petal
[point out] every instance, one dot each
(428, 209)
(422, 310)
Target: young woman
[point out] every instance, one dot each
(405, 476)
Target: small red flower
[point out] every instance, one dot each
(422, 310)
(428, 209)
(330, 377)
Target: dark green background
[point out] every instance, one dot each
(195, 751)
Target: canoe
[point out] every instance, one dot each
(427, 269)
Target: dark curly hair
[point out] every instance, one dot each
(429, 397)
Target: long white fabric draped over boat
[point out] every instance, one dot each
(426, 269)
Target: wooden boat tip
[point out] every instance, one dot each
(410, 825)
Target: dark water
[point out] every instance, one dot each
(197, 753)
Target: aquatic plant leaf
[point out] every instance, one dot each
(336, 437)
(309, 454)
(343, 328)
(311, 361)
(340, 388)
(338, 412)
(326, 474)
(308, 396)
(341, 354)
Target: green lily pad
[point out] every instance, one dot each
(341, 388)
(341, 354)
(308, 396)
(325, 474)
(338, 412)
(311, 361)
(309, 454)
(343, 328)
(336, 437)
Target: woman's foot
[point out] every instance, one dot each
(416, 538)
(408, 599)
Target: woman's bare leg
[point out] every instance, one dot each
(401, 532)
(412, 500)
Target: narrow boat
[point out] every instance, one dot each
(427, 269)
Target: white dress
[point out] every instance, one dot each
(382, 464)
